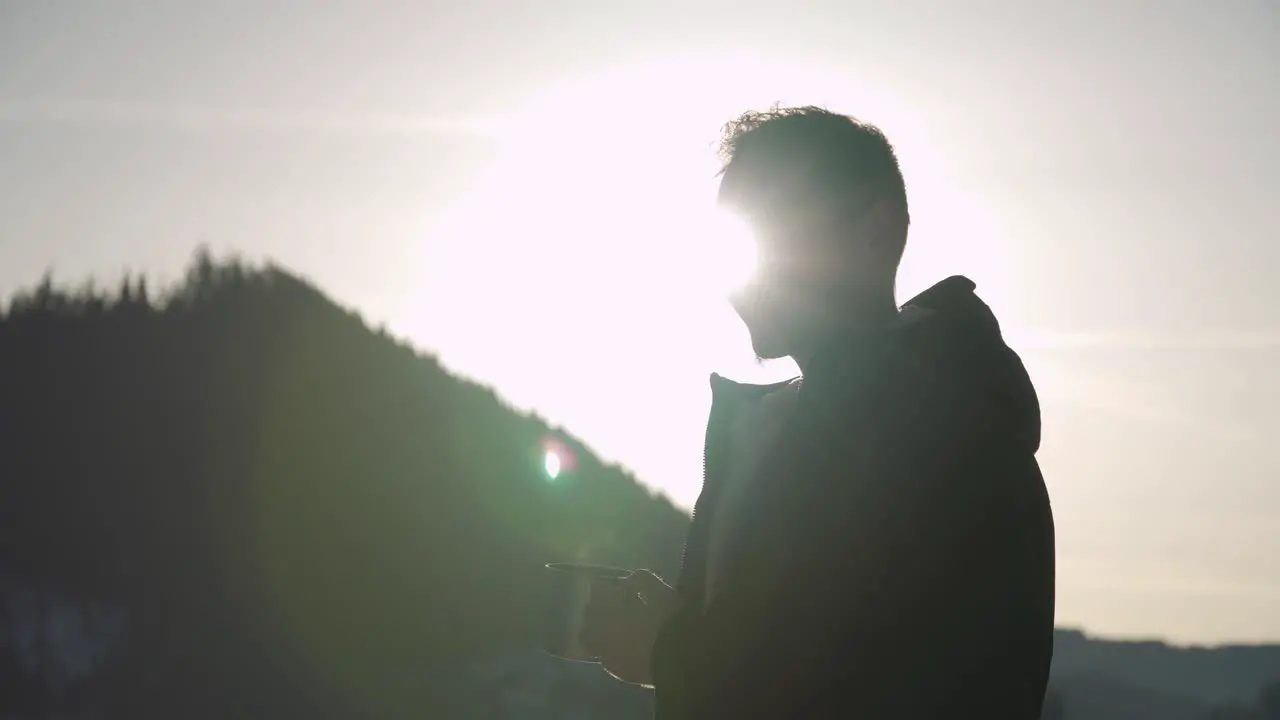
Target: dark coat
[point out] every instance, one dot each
(897, 561)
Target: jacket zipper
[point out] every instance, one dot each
(693, 513)
(709, 439)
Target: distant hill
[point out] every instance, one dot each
(1100, 697)
(1212, 676)
(238, 500)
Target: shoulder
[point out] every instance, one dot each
(872, 393)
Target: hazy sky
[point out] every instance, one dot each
(516, 186)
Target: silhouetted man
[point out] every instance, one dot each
(873, 540)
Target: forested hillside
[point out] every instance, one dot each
(291, 512)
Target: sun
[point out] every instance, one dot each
(604, 184)
(614, 197)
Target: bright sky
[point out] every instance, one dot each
(522, 188)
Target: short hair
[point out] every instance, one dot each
(834, 157)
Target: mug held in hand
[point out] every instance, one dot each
(570, 592)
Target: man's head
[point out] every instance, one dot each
(826, 199)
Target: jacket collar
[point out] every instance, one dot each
(914, 310)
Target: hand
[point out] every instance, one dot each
(622, 621)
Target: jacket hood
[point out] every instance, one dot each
(956, 336)
(949, 332)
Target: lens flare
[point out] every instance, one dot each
(551, 464)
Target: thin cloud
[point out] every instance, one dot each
(222, 119)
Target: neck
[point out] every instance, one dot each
(854, 319)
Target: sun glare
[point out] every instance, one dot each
(731, 251)
(599, 205)
(593, 249)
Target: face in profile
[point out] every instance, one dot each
(793, 273)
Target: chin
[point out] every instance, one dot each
(766, 340)
(767, 348)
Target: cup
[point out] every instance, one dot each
(571, 586)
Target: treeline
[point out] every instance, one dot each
(296, 514)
